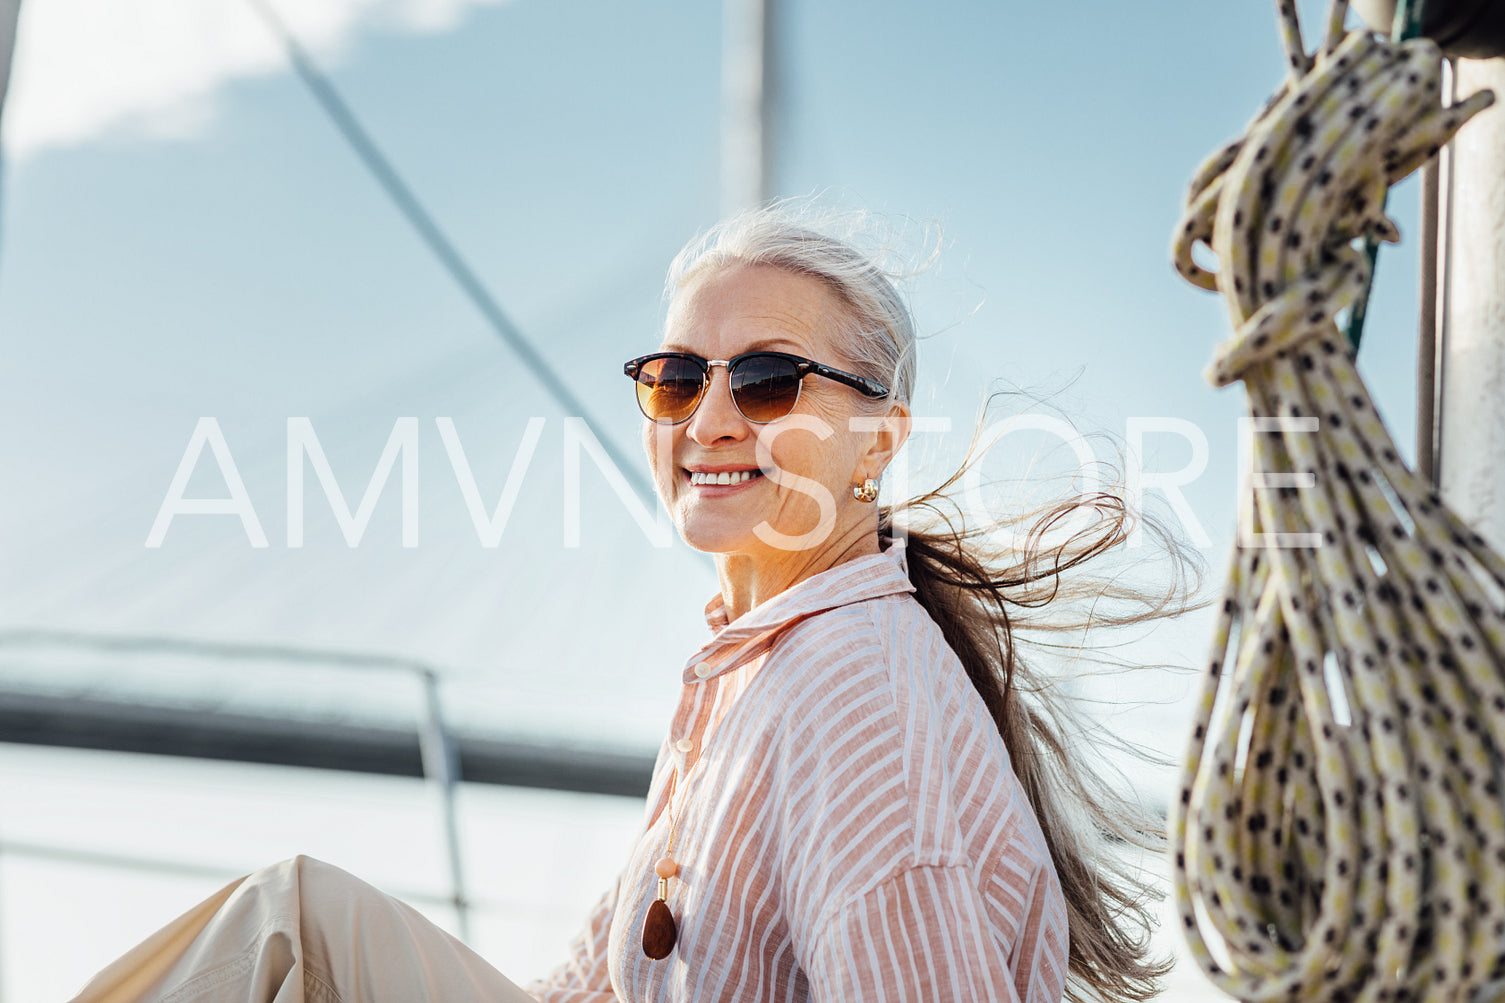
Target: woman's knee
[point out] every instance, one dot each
(301, 881)
(299, 869)
(327, 896)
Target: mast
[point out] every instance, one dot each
(1471, 310)
(10, 13)
(748, 93)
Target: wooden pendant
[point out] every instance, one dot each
(659, 932)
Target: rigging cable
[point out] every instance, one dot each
(438, 242)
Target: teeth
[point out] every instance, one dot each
(725, 477)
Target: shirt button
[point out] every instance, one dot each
(685, 744)
(702, 670)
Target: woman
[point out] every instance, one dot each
(861, 796)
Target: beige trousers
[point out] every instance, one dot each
(301, 931)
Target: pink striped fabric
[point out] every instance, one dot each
(853, 831)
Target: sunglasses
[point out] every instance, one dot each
(765, 385)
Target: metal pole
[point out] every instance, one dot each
(10, 13)
(748, 62)
(1472, 290)
(1435, 286)
(442, 766)
(1426, 342)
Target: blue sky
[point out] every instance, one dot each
(221, 252)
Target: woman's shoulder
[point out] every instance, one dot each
(872, 689)
(883, 649)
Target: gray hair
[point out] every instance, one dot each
(877, 339)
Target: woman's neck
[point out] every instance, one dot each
(748, 580)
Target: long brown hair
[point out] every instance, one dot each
(985, 598)
(993, 600)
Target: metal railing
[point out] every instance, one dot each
(431, 750)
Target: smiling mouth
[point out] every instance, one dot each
(725, 477)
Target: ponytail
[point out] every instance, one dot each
(978, 596)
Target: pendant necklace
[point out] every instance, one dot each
(659, 930)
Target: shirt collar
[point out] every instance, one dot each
(736, 642)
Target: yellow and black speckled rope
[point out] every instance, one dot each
(1340, 832)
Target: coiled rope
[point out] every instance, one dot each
(1340, 832)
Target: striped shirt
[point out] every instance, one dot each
(847, 825)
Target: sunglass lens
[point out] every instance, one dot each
(765, 387)
(669, 389)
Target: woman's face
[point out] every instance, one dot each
(722, 313)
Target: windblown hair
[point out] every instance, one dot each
(986, 596)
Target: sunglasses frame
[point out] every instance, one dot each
(803, 366)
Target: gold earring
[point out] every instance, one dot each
(867, 491)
